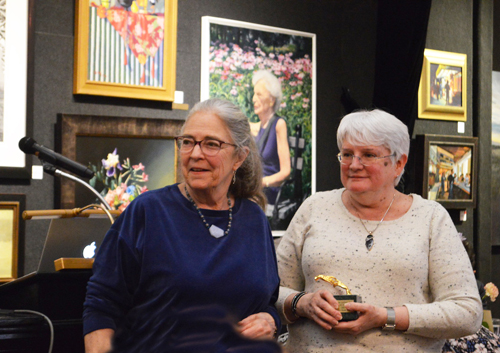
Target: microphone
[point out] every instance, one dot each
(29, 146)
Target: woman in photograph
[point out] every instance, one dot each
(191, 267)
(270, 133)
(399, 253)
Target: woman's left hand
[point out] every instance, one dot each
(260, 325)
(370, 316)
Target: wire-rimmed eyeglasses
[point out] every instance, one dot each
(209, 146)
(365, 159)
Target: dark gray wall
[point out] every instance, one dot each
(346, 42)
(345, 57)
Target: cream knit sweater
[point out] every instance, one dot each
(417, 261)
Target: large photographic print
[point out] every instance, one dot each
(232, 51)
(450, 170)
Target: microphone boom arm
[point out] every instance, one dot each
(69, 176)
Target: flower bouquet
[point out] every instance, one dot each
(121, 182)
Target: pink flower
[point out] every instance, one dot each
(138, 167)
(491, 291)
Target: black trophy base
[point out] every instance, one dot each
(342, 300)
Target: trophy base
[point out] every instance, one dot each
(346, 314)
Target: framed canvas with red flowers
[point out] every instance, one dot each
(126, 48)
(128, 156)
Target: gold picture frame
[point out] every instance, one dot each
(11, 235)
(442, 93)
(112, 60)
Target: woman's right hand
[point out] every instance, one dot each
(321, 307)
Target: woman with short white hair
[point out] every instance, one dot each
(400, 253)
(270, 133)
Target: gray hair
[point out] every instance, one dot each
(273, 86)
(376, 128)
(248, 183)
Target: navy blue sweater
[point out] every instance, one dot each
(160, 277)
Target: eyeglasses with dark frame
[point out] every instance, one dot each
(366, 159)
(209, 146)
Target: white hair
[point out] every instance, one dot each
(375, 128)
(273, 86)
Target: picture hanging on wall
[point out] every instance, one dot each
(450, 170)
(129, 156)
(16, 86)
(232, 51)
(495, 158)
(442, 93)
(11, 236)
(126, 48)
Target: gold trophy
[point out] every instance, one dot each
(342, 299)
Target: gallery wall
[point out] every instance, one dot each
(346, 47)
(344, 58)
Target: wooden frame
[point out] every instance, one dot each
(18, 89)
(106, 65)
(449, 170)
(442, 93)
(11, 235)
(70, 127)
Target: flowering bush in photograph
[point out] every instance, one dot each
(231, 67)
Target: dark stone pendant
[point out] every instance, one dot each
(369, 242)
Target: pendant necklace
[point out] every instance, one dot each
(369, 242)
(214, 231)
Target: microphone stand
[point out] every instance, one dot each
(52, 170)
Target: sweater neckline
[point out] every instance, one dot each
(346, 211)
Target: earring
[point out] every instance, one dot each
(234, 177)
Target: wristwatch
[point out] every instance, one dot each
(390, 325)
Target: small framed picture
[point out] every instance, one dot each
(11, 235)
(450, 170)
(442, 93)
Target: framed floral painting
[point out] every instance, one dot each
(126, 48)
(231, 52)
(129, 156)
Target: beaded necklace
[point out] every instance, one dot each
(215, 231)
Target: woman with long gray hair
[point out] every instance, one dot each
(185, 263)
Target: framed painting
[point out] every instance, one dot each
(11, 235)
(16, 85)
(128, 156)
(126, 48)
(232, 51)
(450, 170)
(495, 158)
(442, 93)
